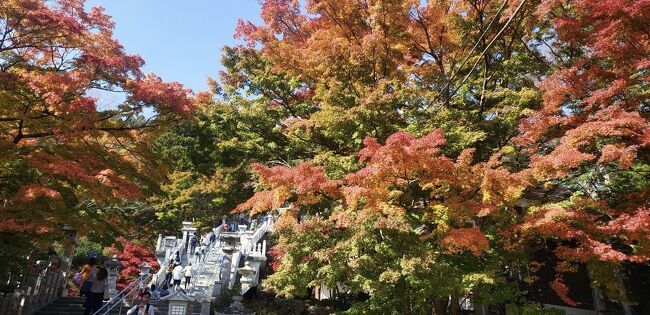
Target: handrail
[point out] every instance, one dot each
(119, 298)
(163, 267)
(211, 256)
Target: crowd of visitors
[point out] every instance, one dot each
(92, 278)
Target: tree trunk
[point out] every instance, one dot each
(623, 298)
(405, 309)
(439, 306)
(454, 307)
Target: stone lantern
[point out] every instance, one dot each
(144, 269)
(236, 307)
(230, 239)
(179, 303)
(113, 267)
(228, 250)
(71, 236)
(247, 279)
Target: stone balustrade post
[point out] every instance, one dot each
(224, 277)
(233, 269)
(159, 244)
(66, 262)
(187, 226)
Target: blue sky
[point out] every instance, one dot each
(179, 40)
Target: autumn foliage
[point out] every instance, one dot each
(132, 255)
(62, 145)
(415, 152)
(67, 152)
(561, 160)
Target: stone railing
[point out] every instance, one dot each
(256, 249)
(219, 269)
(250, 244)
(165, 252)
(40, 287)
(129, 292)
(217, 230)
(260, 232)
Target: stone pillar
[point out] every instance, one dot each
(187, 226)
(217, 289)
(159, 244)
(190, 232)
(205, 307)
(113, 267)
(224, 277)
(245, 243)
(68, 252)
(169, 245)
(236, 257)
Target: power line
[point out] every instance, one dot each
(489, 45)
(496, 15)
(512, 16)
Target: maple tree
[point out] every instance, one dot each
(210, 153)
(361, 232)
(591, 136)
(132, 255)
(372, 68)
(428, 149)
(571, 177)
(63, 150)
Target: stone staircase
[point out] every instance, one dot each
(207, 273)
(221, 267)
(74, 306)
(217, 268)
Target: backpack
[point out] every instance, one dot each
(76, 279)
(102, 273)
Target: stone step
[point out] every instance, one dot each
(74, 306)
(80, 310)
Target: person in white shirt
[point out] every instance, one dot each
(188, 272)
(144, 308)
(177, 275)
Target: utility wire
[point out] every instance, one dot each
(453, 76)
(510, 19)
